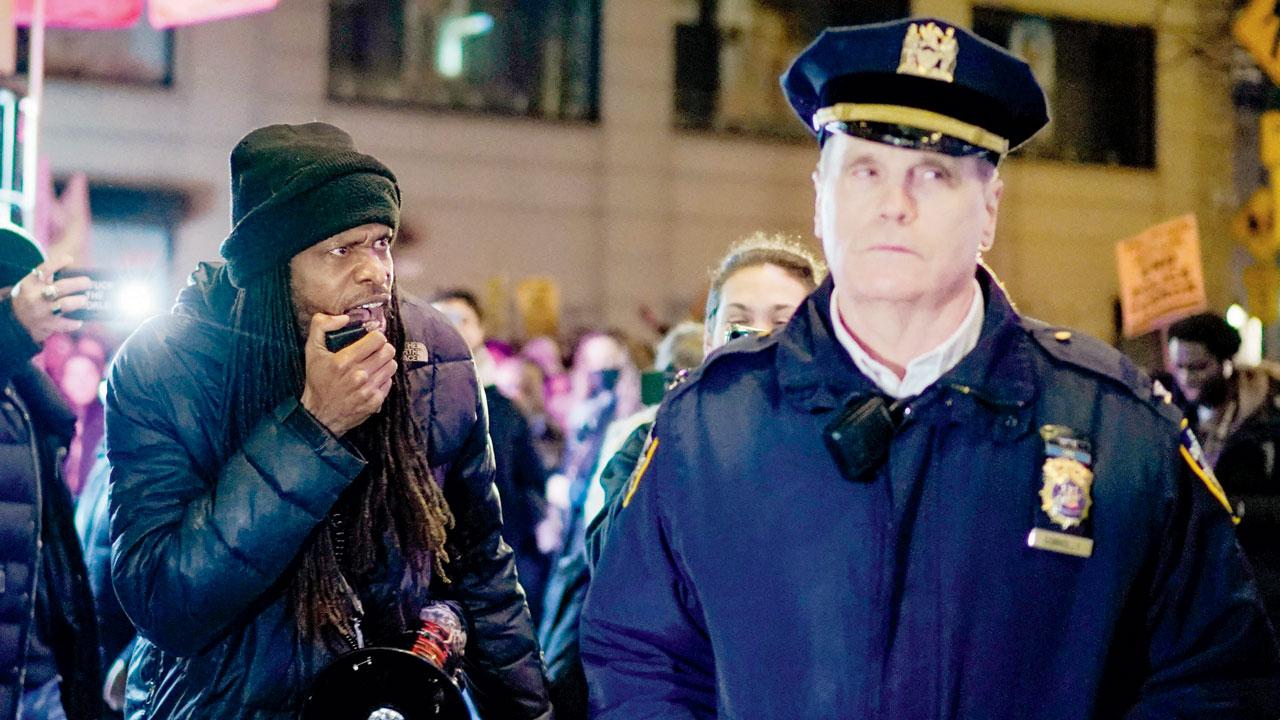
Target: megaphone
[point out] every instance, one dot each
(384, 684)
(387, 683)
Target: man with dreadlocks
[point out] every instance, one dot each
(275, 504)
(913, 501)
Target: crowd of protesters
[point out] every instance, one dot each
(558, 418)
(558, 409)
(301, 461)
(568, 420)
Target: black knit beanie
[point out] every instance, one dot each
(18, 255)
(295, 185)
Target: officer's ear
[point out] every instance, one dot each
(817, 201)
(992, 191)
(818, 173)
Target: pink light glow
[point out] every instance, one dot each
(171, 13)
(81, 14)
(117, 14)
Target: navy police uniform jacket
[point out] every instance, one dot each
(747, 578)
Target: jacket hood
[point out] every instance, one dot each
(208, 294)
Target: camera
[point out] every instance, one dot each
(113, 296)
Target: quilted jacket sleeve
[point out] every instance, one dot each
(1211, 653)
(645, 647)
(194, 547)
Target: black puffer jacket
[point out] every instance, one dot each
(522, 484)
(115, 632)
(202, 548)
(36, 532)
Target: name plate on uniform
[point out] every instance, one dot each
(1042, 539)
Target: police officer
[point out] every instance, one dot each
(914, 502)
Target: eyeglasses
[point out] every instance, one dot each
(735, 331)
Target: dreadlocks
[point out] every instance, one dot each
(394, 501)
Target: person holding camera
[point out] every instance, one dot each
(278, 499)
(914, 502)
(48, 638)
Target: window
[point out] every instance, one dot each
(1100, 81)
(141, 55)
(133, 227)
(537, 59)
(730, 53)
(129, 244)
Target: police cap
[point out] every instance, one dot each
(920, 83)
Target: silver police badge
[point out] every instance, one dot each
(1064, 496)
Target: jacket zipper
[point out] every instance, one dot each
(338, 535)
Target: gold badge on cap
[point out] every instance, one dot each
(1065, 494)
(928, 51)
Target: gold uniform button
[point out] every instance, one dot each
(1062, 335)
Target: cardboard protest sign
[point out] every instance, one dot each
(1161, 278)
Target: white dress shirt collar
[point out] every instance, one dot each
(925, 369)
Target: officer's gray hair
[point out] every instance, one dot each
(984, 169)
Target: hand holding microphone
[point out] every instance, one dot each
(345, 388)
